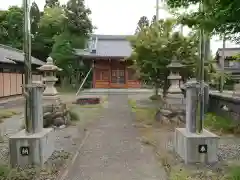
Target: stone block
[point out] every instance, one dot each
(31, 149)
(187, 145)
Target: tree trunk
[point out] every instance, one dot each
(64, 82)
(156, 90)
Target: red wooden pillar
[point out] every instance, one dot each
(94, 75)
(110, 73)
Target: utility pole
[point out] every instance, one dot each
(157, 10)
(27, 66)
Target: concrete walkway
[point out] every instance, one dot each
(113, 150)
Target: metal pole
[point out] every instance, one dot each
(201, 78)
(157, 10)
(27, 66)
(222, 64)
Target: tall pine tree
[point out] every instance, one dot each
(51, 3)
(142, 23)
(78, 21)
(35, 17)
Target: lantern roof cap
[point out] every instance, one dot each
(49, 66)
(175, 63)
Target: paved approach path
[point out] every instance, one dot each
(113, 151)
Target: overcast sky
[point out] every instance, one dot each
(117, 16)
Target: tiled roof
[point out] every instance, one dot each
(107, 46)
(9, 55)
(228, 52)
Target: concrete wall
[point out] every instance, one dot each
(225, 105)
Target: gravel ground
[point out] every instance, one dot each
(66, 143)
(229, 147)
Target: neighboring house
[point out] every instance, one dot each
(12, 71)
(230, 65)
(107, 52)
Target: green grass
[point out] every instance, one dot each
(7, 114)
(143, 114)
(233, 173)
(4, 171)
(91, 106)
(155, 97)
(74, 116)
(68, 89)
(218, 123)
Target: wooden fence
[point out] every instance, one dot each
(11, 83)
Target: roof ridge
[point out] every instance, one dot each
(11, 48)
(233, 48)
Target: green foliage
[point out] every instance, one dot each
(74, 116)
(219, 123)
(4, 171)
(142, 23)
(234, 173)
(52, 3)
(78, 21)
(220, 16)
(35, 18)
(154, 48)
(50, 24)
(63, 54)
(11, 27)
(56, 31)
(155, 97)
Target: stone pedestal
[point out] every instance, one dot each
(31, 149)
(196, 148)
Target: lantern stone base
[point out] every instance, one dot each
(187, 146)
(175, 101)
(51, 99)
(31, 149)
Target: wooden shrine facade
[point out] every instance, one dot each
(113, 74)
(107, 52)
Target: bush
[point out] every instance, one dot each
(155, 97)
(74, 116)
(218, 123)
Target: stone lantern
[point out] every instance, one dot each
(174, 98)
(175, 66)
(49, 79)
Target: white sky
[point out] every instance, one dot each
(117, 16)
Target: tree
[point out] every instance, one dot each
(219, 16)
(142, 23)
(154, 48)
(154, 18)
(52, 3)
(78, 21)
(11, 27)
(35, 18)
(50, 25)
(63, 55)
